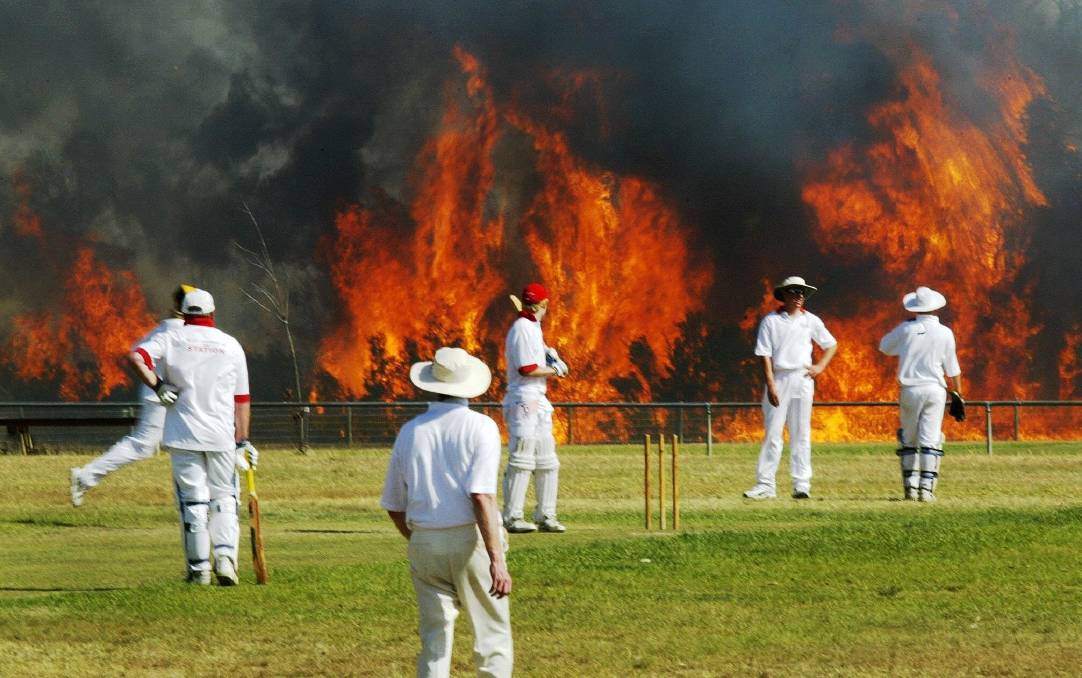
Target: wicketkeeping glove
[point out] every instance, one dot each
(167, 393)
(957, 408)
(552, 359)
(247, 456)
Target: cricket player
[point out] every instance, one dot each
(143, 440)
(440, 492)
(784, 344)
(202, 378)
(926, 352)
(528, 416)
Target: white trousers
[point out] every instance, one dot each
(795, 392)
(141, 443)
(449, 568)
(922, 415)
(208, 492)
(531, 450)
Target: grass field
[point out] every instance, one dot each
(852, 582)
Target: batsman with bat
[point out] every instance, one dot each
(926, 353)
(528, 416)
(204, 384)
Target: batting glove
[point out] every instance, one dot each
(167, 393)
(247, 456)
(552, 359)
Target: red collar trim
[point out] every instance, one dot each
(201, 320)
(528, 315)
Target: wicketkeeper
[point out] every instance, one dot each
(527, 414)
(203, 383)
(926, 352)
(143, 440)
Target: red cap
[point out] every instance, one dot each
(534, 293)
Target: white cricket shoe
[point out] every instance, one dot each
(911, 494)
(927, 496)
(550, 524)
(519, 526)
(760, 492)
(78, 489)
(199, 577)
(226, 571)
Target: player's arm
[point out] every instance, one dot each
(399, 520)
(828, 355)
(242, 418)
(488, 522)
(537, 371)
(768, 376)
(137, 361)
(955, 383)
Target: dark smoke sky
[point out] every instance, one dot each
(145, 125)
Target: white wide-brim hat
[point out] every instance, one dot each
(923, 300)
(453, 372)
(793, 281)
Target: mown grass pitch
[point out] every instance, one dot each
(851, 582)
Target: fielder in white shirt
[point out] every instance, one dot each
(784, 344)
(440, 492)
(527, 413)
(926, 353)
(204, 384)
(143, 440)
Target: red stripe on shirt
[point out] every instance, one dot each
(203, 320)
(146, 358)
(526, 369)
(242, 398)
(527, 314)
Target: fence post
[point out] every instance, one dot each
(1016, 419)
(988, 427)
(349, 426)
(680, 423)
(570, 425)
(709, 433)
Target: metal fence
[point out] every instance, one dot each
(360, 424)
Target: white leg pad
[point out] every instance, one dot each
(196, 536)
(515, 483)
(224, 527)
(929, 468)
(908, 458)
(546, 484)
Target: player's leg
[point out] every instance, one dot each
(799, 420)
(193, 498)
(433, 584)
(521, 418)
(546, 475)
(909, 409)
(141, 443)
(224, 525)
(770, 452)
(490, 617)
(930, 439)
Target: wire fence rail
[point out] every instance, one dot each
(48, 427)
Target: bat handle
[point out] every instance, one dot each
(250, 477)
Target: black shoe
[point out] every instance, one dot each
(801, 494)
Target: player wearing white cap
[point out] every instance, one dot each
(204, 383)
(926, 352)
(440, 492)
(527, 413)
(784, 344)
(143, 440)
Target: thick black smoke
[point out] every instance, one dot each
(145, 126)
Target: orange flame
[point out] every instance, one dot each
(610, 250)
(104, 311)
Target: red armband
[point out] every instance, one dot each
(246, 398)
(146, 358)
(526, 369)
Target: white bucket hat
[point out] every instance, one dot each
(793, 281)
(923, 300)
(453, 372)
(197, 302)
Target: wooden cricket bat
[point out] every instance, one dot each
(259, 558)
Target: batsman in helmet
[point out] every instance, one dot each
(926, 352)
(528, 416)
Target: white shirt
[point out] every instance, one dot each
(525, 346)
(439, 459)
(209, 368)
(925, 351)
(147, 393)
(787, 339)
